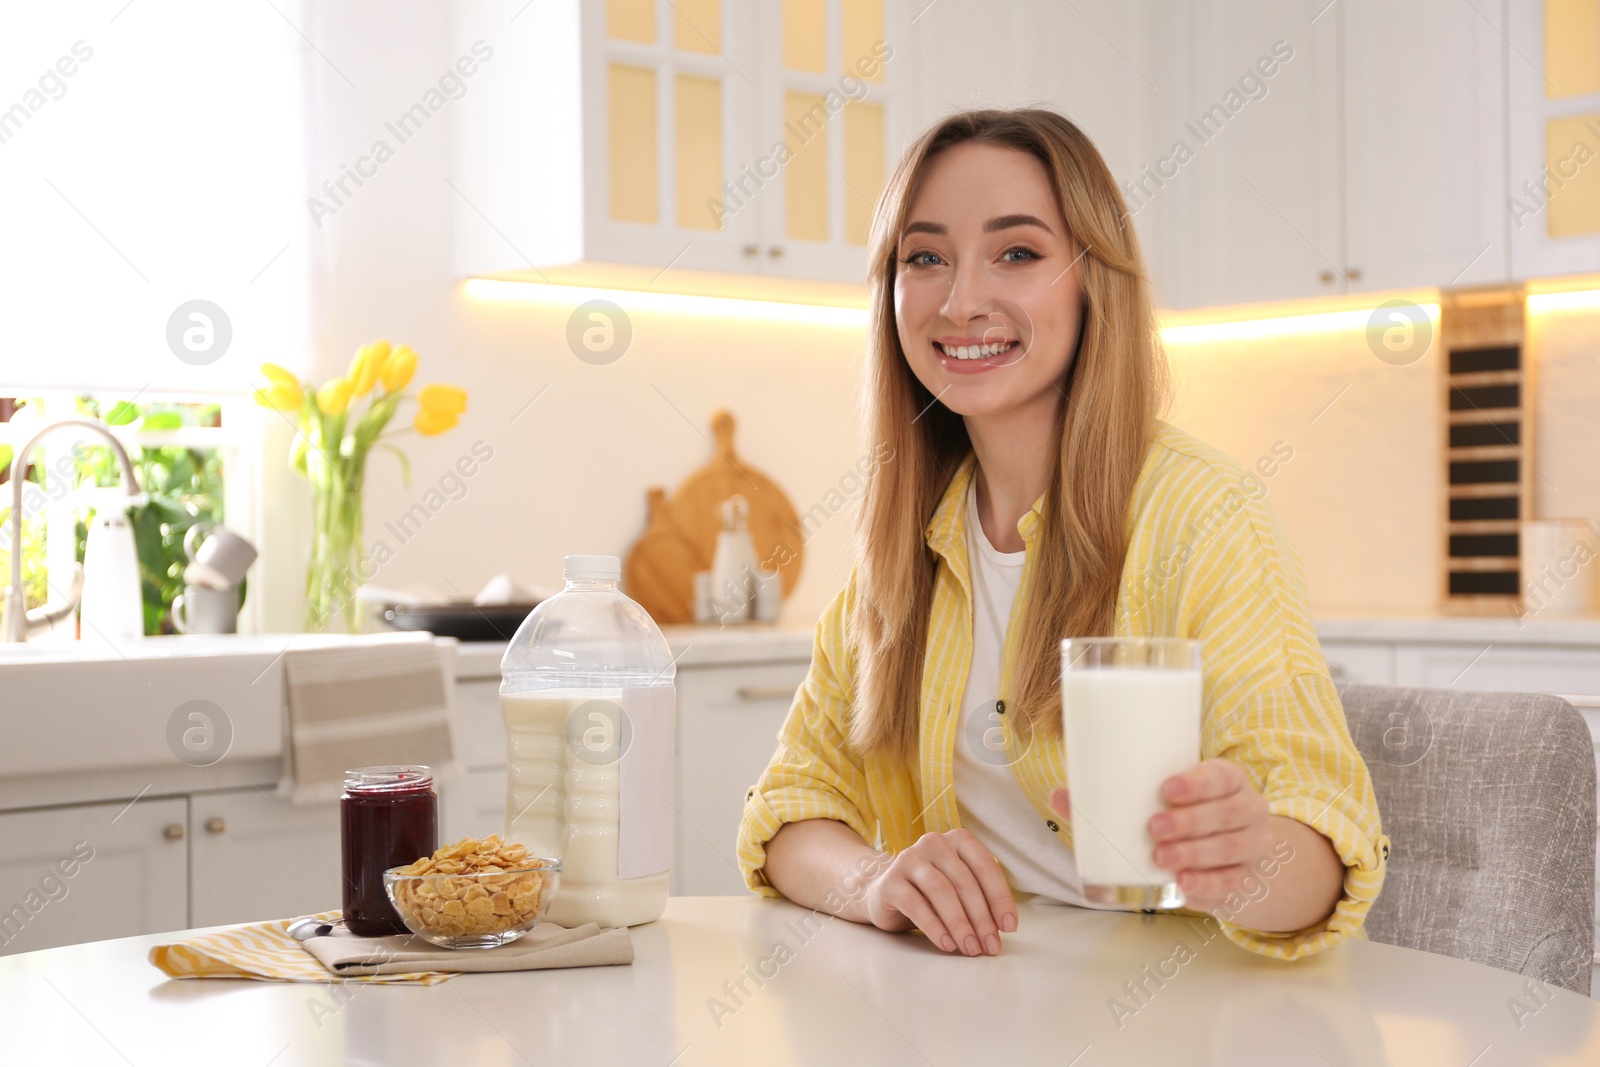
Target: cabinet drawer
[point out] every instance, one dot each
(1357, 661)
(728, 721)
(1515, 669)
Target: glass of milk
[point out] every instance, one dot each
(1130, 719)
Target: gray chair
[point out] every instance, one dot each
(1488, 800)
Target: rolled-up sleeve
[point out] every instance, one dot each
(1294, 745)
(814, 774)
(1271, 707)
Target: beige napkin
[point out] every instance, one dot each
(544, 946)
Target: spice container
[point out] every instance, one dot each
(388, 816)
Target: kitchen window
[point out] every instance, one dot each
(187, 455)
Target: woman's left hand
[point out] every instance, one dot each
(1213, 834)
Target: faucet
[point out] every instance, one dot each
(19, 622)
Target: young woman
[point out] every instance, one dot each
(1015, 378)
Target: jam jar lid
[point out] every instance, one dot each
(397, 778)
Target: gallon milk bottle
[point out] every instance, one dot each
(588, 699)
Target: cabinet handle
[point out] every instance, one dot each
(215, 825)
(755, 692)
(751, 250)
(173, 831)
(1326, 277)
(1353, 273)
(775, 252)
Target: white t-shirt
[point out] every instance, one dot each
(989, 801)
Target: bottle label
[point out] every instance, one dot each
(645, 785)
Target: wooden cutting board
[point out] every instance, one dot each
(660, 573)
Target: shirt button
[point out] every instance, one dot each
(1052, 824)
(1000, 706)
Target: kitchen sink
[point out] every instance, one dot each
(161, 702)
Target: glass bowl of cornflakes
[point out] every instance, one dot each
(474, 893)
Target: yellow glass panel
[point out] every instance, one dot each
(631, 20)
(699, 125)
(1571, 47)
(863, 168)
(805, 35)
(1572, 154)
(805, 130)
(697, 25)
(861, 29)
(631, 129)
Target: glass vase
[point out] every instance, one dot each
(333, 574)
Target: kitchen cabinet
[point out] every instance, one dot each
(1424, 92)
(1554, 123)
(687, 134)
(253, 855)
(1371, 158)
(92, 871)
(727, 732)
(1247, 153)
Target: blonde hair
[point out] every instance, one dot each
(1116, 388)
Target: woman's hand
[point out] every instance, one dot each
(949, 887)
(1213, 834)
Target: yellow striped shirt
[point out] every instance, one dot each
(1206, 559)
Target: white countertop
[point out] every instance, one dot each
(692, 646)
(819, 990)
(1468, 629)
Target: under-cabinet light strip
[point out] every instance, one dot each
(675, 303)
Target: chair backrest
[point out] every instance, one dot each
(1489, 803)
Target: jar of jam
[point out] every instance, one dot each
(388, 816)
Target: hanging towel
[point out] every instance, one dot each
(379, 700)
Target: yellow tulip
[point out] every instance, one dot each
(430, 422)
(334, 396)
(446, 399)
(281, 396)
(398, 369)
(366, 366)
(279, 375)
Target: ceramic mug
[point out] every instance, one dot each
(220, 561)
(200, 609)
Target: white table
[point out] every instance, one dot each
(831, 993)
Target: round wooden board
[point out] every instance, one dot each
(659, 571)
(774, 525)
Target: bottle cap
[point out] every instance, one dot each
(606, 568)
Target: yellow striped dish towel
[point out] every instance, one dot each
(266, 952)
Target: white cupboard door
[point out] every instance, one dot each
(88, 873)
(255, 856)
(1250, 154)
(728, 721)
(1554, 151)
(668, 97)
(472, 804)
(1425, 143)
(830, 123)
